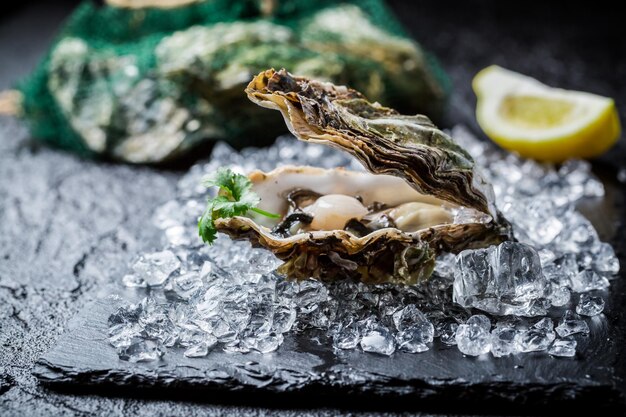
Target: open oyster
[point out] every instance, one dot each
(422, 194)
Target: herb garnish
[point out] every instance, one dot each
(235, 198)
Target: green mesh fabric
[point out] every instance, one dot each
(137, 33)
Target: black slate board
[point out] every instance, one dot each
(306, 369)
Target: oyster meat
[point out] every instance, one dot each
(421, 195)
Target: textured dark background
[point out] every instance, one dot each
(68, 227)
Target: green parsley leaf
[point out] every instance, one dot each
(206, 225)
(235, 198)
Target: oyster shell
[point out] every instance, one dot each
(413, 167)
(157, 93)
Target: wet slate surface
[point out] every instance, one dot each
(67, 229)
(307, 370)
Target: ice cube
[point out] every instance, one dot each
(223, 330)
(197, 350)
(474, 281)
(594, 188)
(268, 343)
(209, 302)
(559, 295)
(387, 303)
(183, 287)
(415, 331)
(500, 280)
(190, 336)
(321, 318)
(284, 318)
(261, 307)
(565, 347)
(201, 348)
(141, 350)
(377, 339)
(584, 259)
(473, 339)
(206, 269)
(571, 323)
(447, 333)
(133, 281)
(546, 256)
(589, 280)
(408, 317)
(578, 234)
(515, 322)
(563, 269)
(545, 324)
(538, 307)
(310, 295)
(128, 314)
(589, 305)
(579, 180)
(414, 340)
(237, 316)
(535, 218)
(503, 341)
(346, 337)
(155, 321)
(480, 320)
(121, 335)
(537, 337)
(154, 268)
(605, 262)
(146, 319)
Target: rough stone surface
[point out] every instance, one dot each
(68, 228)
(309, 371)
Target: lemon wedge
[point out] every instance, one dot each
(548, 124)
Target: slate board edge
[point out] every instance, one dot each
(51, 375)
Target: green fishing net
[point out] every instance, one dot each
(147, 85)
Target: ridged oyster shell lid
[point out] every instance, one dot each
(383, 140)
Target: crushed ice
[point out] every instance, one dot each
(228, 297)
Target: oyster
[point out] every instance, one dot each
(421, 196)
(157, 93)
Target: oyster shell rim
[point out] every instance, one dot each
(289, 105)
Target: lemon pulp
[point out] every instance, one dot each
(536, 112)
